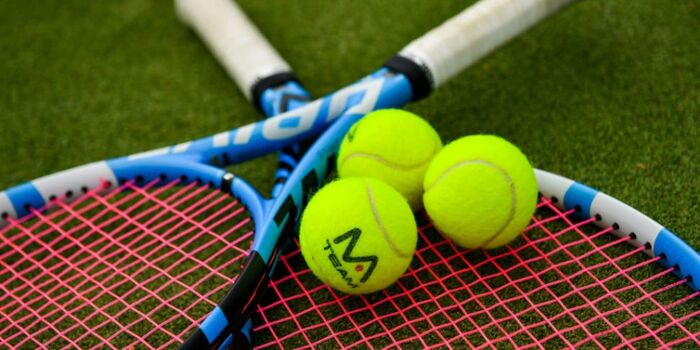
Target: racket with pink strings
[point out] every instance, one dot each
(589, 271)
(167, 247)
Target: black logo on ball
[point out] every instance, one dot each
(354, 236)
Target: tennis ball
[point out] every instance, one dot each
(358, 235)
(480, 191)
(391, 145)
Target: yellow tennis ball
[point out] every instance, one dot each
(358, 235)
(391, 145)
(480, 191)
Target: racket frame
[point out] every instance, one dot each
(404, 77)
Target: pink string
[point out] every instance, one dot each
(108, 257)
(549, 288)
(136, 265)
(141, 265)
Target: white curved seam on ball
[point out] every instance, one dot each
(383, 161)
(381, 225)
(505, 175)
(394, 165)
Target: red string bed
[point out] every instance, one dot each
(562, 284)
(142, 265)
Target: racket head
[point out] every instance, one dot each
(576, 278)
(189, 162)
(137, 260)
(271, 235)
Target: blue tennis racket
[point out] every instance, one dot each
(137, 250)
(582, 245)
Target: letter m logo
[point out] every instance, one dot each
(354, 235)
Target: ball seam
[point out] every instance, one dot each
(379, 222)
(382, 160)
(436, 146)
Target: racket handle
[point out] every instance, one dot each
(475, 32)
(236, 42)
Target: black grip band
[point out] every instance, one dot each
(417, 75)
(269, 82)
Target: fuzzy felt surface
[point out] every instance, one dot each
(480, 191)
(391, 145)
(358, 235)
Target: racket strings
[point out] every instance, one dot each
(564, 283)
(619, 272)
(140, 264)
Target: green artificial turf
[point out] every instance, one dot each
(607, 93)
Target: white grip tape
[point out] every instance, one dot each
(474, 33)
(234, 39)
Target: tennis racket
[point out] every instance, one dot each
(57, 324)
(589, 271)
(135, 251)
